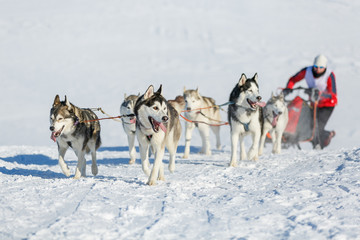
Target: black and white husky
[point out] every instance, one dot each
(275, 119)
(77, 128)
(128, 123)
(201, 109)
(244, 118)
(157, 125)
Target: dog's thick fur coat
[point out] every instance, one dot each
(244, 118)
(201, 109)
(275, 119)
(69, 130)
(129, 123)
(157, 125)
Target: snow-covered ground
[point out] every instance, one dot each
(95, 51)
(297, 195)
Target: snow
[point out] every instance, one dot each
(96, 51)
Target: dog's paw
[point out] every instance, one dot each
(151, 182)
(94, 170)
(233, 164)
(132, 161)
(186, 156)
(171, 168)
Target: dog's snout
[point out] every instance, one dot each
(165, 118)
(188, 108)
(280, 112)
(52, 128)
(258, 98)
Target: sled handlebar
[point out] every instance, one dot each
(313, 93)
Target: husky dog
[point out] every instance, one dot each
(244, 117)
(157, 125)
(127, 108)
(275, 119)
(195, 112)
(178, 103)
(69, 130)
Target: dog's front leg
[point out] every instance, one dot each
(234, 143)
(132, 150)
(189, 127)
(243, 155)
(64, 167)
(216, 130)
(204, 133)
(81, 165)
(262, 139)
(254, 149)
(277, 143)
(158, 164)
(144, 154)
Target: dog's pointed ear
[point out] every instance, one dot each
(149, 92)
(184, 89)
(272, 94)
(125, 96)
(197, 92)
(242, 80)
(159, 91)
(68, 104)
(256, 77)
(281, 95)
(56, 101)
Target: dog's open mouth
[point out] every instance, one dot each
(254, 104)
(156, 125)
(275, 119)
(132, 119)
(54, 135)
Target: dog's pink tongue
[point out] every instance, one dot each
(261, 104)
(53, 136)
(274, 121)
(133, 120)
(162, 126)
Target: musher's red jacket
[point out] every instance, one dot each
(326, 83)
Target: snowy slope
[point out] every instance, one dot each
(95, 51)
(296, 195)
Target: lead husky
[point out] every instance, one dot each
(157, 125)
(128, 123)
(210, 115)
(275, 119)
(244, 117)
(69, 130)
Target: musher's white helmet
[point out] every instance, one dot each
(320, 61)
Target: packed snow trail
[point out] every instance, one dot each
(294, 195)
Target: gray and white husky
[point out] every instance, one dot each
(129, 123)
(275, 119)
(244, 117)
(157, 125)
(203, 111)
(77, 128)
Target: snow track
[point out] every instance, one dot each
(295, 195)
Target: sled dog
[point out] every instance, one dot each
(178, 103)
(68, 130)
(201, 109)
(244, 117)
(128, 123)
(275, 119)
(157, 125)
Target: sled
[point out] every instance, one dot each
(302, 124)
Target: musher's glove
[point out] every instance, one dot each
(287, 91)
